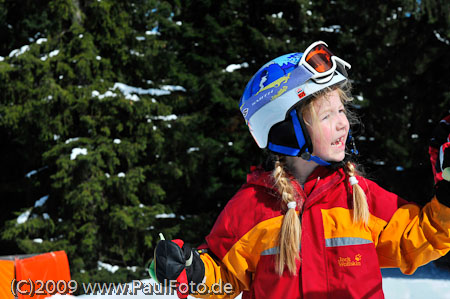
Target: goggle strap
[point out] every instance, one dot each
(341, 68)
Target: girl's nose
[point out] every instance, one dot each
(342, 122)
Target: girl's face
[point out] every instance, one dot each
(330, 129)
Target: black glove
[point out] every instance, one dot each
(173, 257)
(443, 192)
(440, 160)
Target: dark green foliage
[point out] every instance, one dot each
(60, 95)
(186, 151)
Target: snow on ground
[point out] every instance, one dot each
(401, 288)
(428, 282)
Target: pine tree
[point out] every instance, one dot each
(120, 119)
(96, 131)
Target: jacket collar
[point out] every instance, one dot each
(320, 180)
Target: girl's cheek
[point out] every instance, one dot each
(319, 143)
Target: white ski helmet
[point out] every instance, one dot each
(278, 87)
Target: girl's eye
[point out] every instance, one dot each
(342, 111)
(325, 117)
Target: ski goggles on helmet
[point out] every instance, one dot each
(319, 60)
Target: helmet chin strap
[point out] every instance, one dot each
(299, 128)
(305, 146)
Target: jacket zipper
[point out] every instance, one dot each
(305, 197)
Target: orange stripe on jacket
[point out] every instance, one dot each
(338, 223)
(424, 238)
(243, 257)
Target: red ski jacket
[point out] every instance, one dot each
(338, 259)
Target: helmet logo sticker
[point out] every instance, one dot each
(279, 93)
(276, 83)
(263, 79)
(300, 93)
(245, 112)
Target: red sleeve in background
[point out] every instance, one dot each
(6, 277)
(52, 266)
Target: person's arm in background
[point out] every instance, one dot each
(439, 151)
(414, 236)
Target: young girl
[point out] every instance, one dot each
(311, 227)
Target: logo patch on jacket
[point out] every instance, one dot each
(349, 262)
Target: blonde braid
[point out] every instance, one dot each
(289, 238)
(360, 206)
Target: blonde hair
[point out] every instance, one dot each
(344, 95)
(360, 207)
(289, 238)
(290, 233)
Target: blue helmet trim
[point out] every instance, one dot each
(319, 161)
(290, 151)
(298, 129)
(294, 79)
(301, 139)
(351, 143)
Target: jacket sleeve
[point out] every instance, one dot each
(231, 260)
(218, 279)
(408, 236)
